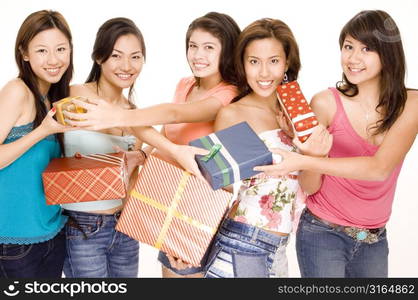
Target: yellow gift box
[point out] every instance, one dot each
(68, 105)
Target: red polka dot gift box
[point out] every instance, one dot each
(297, 109)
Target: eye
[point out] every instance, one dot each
(275, 61)
(115, 55)
(253, 61)
(137, 56)
(61, 49)
(366, 49)
(192, 46)
(209, 48)
(42, 51)
(348, 47)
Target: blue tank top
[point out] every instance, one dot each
(25, 218)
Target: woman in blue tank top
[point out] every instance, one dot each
(32, 243)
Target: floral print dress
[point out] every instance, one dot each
(265, 201)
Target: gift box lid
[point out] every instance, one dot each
(76, 163)
(240, 150)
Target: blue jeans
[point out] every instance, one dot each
(242, 250)
(325, 251)
(40, 260)
(96, 249)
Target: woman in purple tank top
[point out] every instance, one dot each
(372, 118)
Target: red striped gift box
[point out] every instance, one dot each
(297, 109)
(85, 178)
(172, 210)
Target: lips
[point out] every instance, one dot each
(124, 76)
(265, 84)
(53, 71)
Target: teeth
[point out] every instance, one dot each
(124, 76)
(200, 65)
(355, 69)
(264, 83)
(52, 70)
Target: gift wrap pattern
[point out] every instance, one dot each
(172, 210)
(297, 109)
(85, 178)
(234, 152)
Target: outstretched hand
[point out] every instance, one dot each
(290, 162)
(100, 115)
(185, 156)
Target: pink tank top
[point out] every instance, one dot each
(349, 202)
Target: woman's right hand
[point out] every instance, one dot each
(51, 126)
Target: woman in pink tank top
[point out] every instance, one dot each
(372, 118)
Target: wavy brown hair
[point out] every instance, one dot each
(378, 31)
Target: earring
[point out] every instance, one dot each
(285, 78)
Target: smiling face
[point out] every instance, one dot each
(265, 65)
(125, 63)
(49, 55)
(359, 63)
(203, 54)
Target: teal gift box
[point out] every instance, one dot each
(234, 152)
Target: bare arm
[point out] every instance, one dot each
(323, 106)
(102, 114)
(392, 151)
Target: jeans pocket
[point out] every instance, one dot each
(250, 265)
(77, 230)
(13, 251)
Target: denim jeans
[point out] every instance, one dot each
(324, 251)
(40, 260)
(96, 249)
(242, 250)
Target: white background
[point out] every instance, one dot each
(316, 26)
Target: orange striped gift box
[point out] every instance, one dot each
(85, 178)
(173, 211)
(297, 109)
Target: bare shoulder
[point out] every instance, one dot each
(85, 90)
(16, 91)
(323, 105)
(228, 116)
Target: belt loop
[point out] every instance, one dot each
(255, 234)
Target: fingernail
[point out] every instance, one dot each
(53, 109)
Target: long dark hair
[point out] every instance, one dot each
(262, 29)
(377, 30)
(224, 28)
(31, 26)
(106, 37)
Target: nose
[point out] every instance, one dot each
(52, 58)
(126, 64)
(354, 56)
(264, 70)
